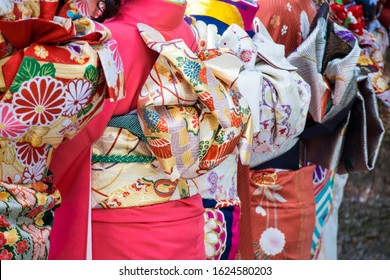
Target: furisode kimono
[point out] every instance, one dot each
(186, 120)
(52, 79)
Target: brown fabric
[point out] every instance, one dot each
(245, 245)
(282, 213)
(288, 22)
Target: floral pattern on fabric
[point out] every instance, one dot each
(288, 22)
(121, 185)
(198, 99)
(53, 84)
(215, 234)
(282, 213)
(221, 229)
(26, 216)
(221, 182)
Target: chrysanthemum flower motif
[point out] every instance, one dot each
(272, 241)
(34, 173)
(39, 101)
(10, 127)
(29, 155)
(77, 94)
(109, 66)
(113, 47)
(215, 233)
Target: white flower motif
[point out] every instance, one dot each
(289, 8)
(109, 66)
(260, 210)
(272, 241)
(284, 30)
(34, 173)
(77, 95)
(29, 155)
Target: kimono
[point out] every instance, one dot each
(288, 22)
(279, 101)
(188, 120)
(53, 73)
(349, 127)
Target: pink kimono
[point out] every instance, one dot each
(125, 233)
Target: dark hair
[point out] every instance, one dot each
(106, 9)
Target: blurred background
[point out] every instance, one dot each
(364, 217)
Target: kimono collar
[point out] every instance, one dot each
(162, 14)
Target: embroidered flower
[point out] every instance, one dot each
(5, 255)
(284, 30)
(4, 196)
(11, 236)
(34, 212)
(230, 136)
(34, 173)
(39, 101)
(267, 186)
(21, 247)
(212, 178)
(194, 121)
(272, 241)
(29, 155)
(192, 69)
(246, 55)
(42, 199)
(41, 52)
(3, 221)
(10, 127)
(151, 118)
(77, 95)
(38, 219)
(3, 240)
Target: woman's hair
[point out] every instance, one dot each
(106, 9)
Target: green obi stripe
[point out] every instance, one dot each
(122, 158)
